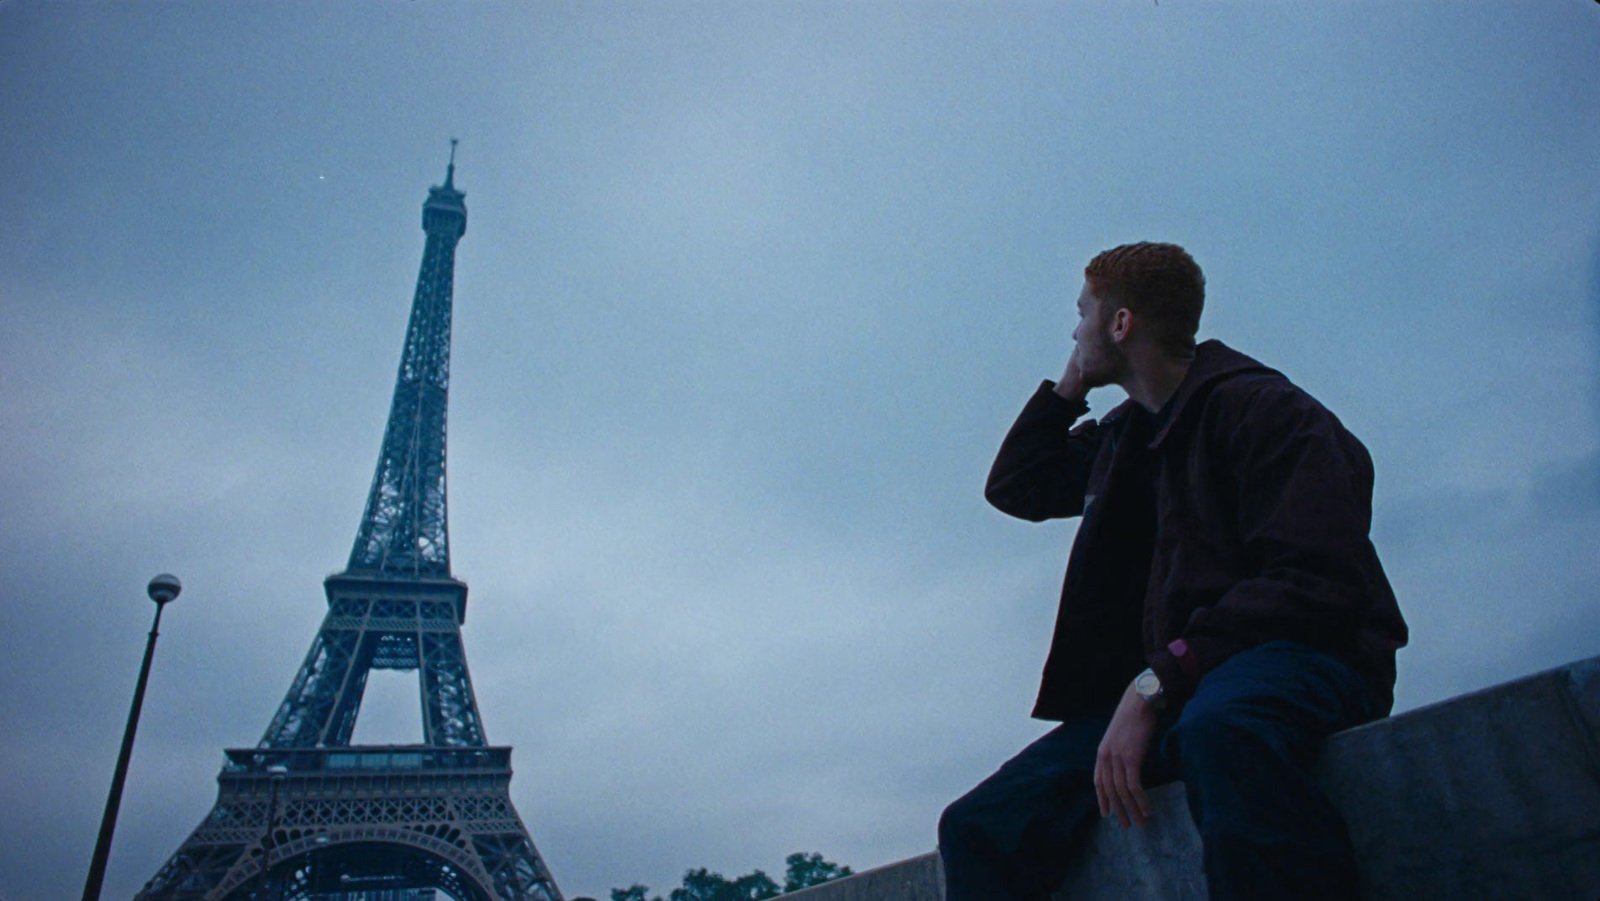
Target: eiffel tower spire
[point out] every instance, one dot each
(306, 815)
(404, 533)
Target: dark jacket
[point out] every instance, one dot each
(1240, 518)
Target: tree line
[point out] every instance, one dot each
(801, 871)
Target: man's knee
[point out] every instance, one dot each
(1212, 736)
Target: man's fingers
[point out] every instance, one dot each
(1118, 810)
(1100, 793)
(1134, 798)
(1119, 790)
(1119, 795)
(1139, 797)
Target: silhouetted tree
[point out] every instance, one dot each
(806, 870)
(703, 885)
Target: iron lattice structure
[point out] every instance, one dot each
(305, 814)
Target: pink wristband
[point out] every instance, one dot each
(1186, 662)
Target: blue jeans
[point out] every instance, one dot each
(1243, 745)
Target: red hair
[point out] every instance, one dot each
(1160, 283)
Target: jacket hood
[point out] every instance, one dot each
(1213, 362)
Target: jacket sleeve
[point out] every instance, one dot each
(1300, 487)
(1043, 466)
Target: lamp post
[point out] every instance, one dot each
(162, 589)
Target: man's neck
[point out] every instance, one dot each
(1154, 378)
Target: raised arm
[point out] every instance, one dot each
(1043, 465)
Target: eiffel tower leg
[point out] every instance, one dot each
(321, 683)
(515, 867)
(210, 853)
(451, 709)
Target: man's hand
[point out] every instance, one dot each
(1071, 385)
(1122, 751)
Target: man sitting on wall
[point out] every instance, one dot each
(1223, 612)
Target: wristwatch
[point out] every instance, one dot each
(1148, 685)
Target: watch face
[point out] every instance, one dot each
(1148, 685)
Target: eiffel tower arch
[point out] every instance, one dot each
(307, 816)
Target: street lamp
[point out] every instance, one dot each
(162, 589)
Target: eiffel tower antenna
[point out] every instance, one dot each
(306, 815)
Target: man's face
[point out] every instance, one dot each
(1100, 360)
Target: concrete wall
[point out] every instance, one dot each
(1492, 795)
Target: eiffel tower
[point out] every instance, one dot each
(307, 815)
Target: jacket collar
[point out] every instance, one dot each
(1213, 362)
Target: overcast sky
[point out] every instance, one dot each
(748, 296)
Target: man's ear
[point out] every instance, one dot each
(1121, 324)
